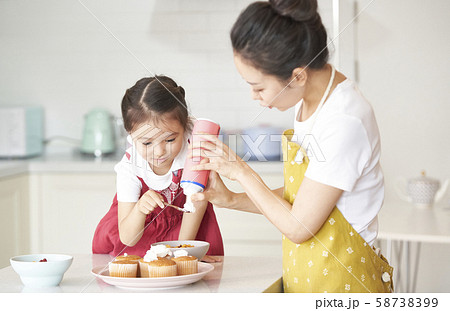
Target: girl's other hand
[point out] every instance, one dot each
(149, 201)
(211, 259)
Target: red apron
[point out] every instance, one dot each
(164, 227)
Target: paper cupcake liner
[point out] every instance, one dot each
(138, 271)
(143, 268)
(162, 271)
(123, 270)
(187, 267)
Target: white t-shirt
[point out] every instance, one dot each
(344, 152)
(133, 166)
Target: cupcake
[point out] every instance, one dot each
(123, 269)
(134, 258)
(185, 264)
(143, 263)
(162, 267)
(156, 263)
(143, 268)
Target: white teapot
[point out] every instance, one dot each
(422, 191)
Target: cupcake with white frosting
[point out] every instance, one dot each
(161, 251)
(157, 263)
(185, 264)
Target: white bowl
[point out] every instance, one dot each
(199, 250)
(41, 274)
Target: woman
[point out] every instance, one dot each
(327, 210)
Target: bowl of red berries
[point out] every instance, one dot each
(41, 270)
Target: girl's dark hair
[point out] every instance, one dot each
(157, 98)
(280, 35)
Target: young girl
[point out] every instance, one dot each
(156, 117)
(327, 209)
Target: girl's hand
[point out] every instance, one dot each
(211, 259)
(220, 157)
(149, 201)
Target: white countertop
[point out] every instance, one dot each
(11, 168)
(59, 162)
(232, 275)
(74, 161)
(402, 221)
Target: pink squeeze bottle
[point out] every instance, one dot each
(195, 181)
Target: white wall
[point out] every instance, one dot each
(403, 55)
(57, 53)
(403, 52)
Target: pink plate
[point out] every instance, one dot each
(143, 283)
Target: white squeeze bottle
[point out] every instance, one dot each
(195, 181)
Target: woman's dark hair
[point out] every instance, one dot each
(158, 98)
(280, 35)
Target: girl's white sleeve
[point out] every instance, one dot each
(128, 185)
(340, 153)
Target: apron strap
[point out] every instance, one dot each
(322, 101)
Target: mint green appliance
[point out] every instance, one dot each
(98, 134)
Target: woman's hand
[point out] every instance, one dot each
(220, 157)
(216, 192)
(149, 201)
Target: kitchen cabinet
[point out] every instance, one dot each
(14, 226)
(67, 208)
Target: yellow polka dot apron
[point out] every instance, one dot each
(337, 259)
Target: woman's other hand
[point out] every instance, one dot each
(216, 192)
(220, 157)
